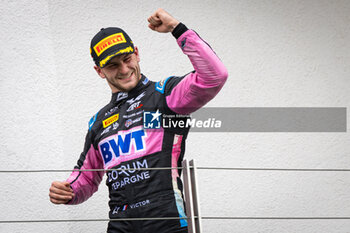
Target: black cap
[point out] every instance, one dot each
(108, 43)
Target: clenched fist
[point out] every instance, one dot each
(60, 192)
(162, 21)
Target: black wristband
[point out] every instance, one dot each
(179, 30)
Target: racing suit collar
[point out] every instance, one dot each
(119, 96)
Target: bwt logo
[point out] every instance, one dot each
(121, 144)
(151, 120)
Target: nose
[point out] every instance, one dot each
(123, 68)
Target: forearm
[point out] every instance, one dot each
(85, 183)
(197, 88)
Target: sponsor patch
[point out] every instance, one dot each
(108, 42)
(144, 82)
(110, 120)
(130, 122)
(122, 95)
(124, 143)
(115, 125)
(160, 86)
(112, 110)
(92, 121)
(134, 106)
(133, 114)
(131, 206)
(106, 130)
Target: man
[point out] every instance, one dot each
(117, 139)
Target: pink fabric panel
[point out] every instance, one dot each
(175, 155)
(88, 182)
(196, 89)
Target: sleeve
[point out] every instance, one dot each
(85, 183)
(198, 87)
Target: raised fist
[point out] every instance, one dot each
(162, 21)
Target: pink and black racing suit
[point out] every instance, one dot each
(117, 139)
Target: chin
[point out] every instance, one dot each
(129, 87)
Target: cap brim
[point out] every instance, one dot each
(127, 50)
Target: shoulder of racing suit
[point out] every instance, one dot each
(165, 86)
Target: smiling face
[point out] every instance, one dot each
(122, 72)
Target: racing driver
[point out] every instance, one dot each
(127, 134)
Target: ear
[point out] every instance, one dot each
(99, 72)
(137, 53)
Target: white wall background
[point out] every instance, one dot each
(279, 54)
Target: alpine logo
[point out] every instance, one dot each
(132, 100)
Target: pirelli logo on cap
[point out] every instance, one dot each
(110, 120)
(108, 42)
